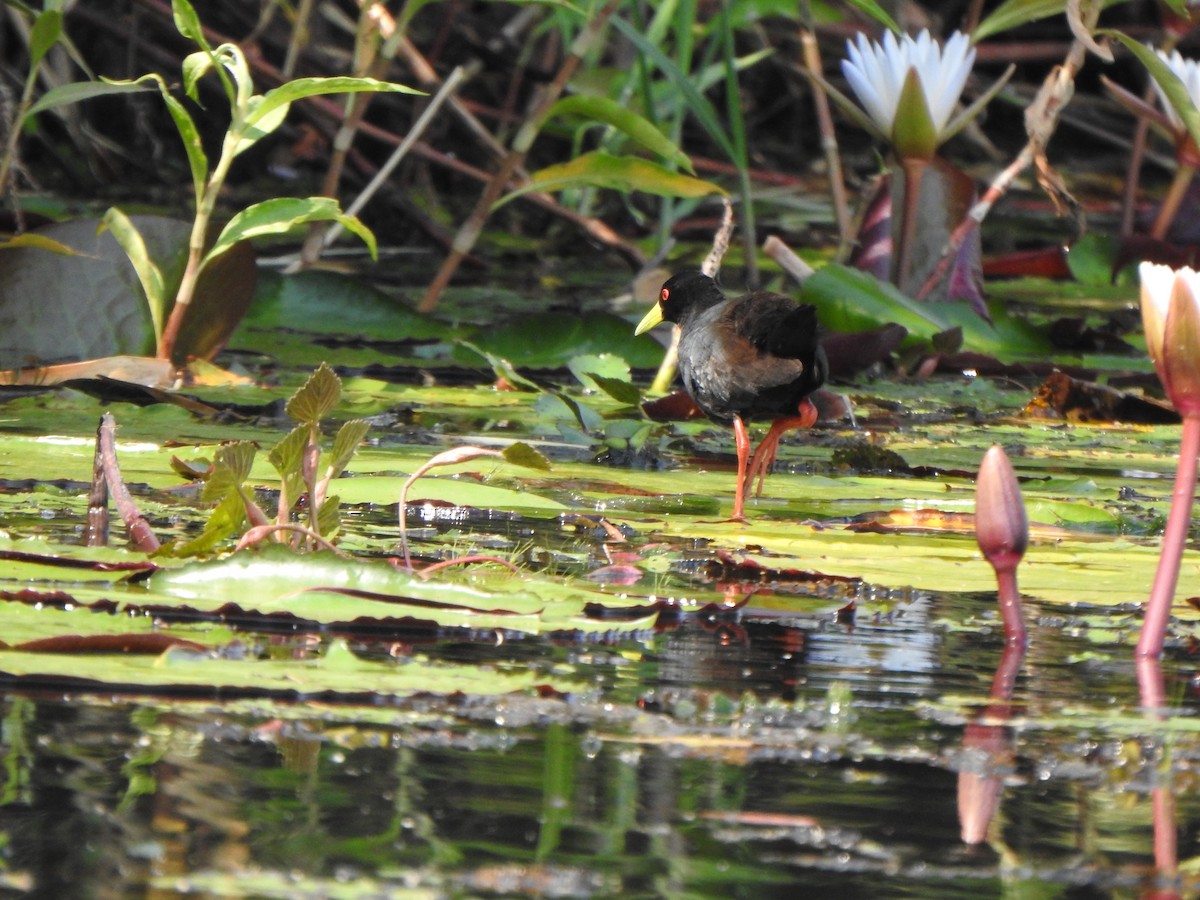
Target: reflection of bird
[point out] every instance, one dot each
(756, 356)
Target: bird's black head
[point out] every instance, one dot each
(685, 291)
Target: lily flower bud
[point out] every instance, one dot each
(1001, 527)
(1171, 318)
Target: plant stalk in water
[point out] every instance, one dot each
(1002, 531)
(1171, 317)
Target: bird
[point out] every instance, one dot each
(757, 356)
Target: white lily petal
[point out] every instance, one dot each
(877, 72)
(868, 97)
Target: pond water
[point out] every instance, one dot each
(824, 708)
(741, 755)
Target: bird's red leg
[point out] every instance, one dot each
(764, 457)
(742, 441)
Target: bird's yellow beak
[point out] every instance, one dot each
(651, 319)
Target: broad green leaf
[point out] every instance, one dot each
(850, 300)
(47, 28)
(562, 336)
(1175, 90)
(148, 273)
(317, 397)
(89, 303)
(77, 91)
(311, 87)
(281, 214)
(345, 445)
(619, 116)
(619, 173)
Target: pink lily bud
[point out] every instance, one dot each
(1000, 524)
(1171, 318)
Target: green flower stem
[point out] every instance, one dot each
(1158, 607)
(205, 205)
(1170, 204)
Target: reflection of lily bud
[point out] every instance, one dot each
(988, 752)
(979, 792)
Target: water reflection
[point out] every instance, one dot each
(757, 757)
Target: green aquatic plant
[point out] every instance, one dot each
(251, 117)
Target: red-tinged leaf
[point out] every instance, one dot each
(850, 353)
(152, 644)
(675, 407)
(415, 601)
(1046, 262)
(873, 244)
(1140, 248)
(67, 563)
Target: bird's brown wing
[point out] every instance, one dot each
(776, 324)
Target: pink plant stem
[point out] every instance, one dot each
(1171, 203)
(1165, 844)
(1158, 607)
(1150, 683)
(1010, 607)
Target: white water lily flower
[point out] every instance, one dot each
(909, 87)
(1187, 71)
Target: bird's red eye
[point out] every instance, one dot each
(662, 298)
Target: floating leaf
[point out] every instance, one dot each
(521, 454)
